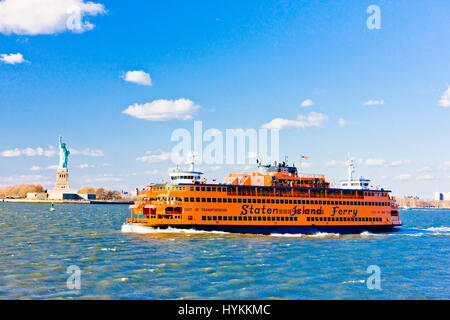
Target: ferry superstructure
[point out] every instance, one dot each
(272, 199)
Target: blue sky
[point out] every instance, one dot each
(242, 65)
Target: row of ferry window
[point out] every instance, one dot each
(290, 201)
(233, 189)
(343, 219)
(224, 189)
(244, 218)
(267, 218)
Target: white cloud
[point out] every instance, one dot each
(445, 99)
(139, 77)
(30, 152)
(161, 110)
(160, 156)
(375, 162)
(33, 17)
(12, 58)
(85, 166)
(397, 163)
(402, 177)
(373, 102)
(425, 177)
(87, 152)
(335, 163)
(38, 168)
(314, 119)
(50, 152)
(342, 122)
(35, 179)
(307, 103)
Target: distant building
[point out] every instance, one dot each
(446, 196)
(438, 196)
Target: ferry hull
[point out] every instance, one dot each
(285, 229)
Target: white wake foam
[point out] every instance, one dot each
(438, 229)
(132, 228)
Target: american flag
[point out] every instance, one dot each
(305, 157)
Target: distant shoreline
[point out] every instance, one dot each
(66, 201)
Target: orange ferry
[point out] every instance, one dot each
(274, 199)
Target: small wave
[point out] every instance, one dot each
(108, 249)
(324, 235)
(354, 281)
(438, 229)
(287, 235)
(130, 228)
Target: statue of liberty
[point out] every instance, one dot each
(63, 154)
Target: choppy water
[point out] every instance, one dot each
(37, 246)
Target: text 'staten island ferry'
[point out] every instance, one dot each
(275, 199)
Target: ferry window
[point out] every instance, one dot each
(295, 218)
(213, 189)
(203, 218)
(219, 218)
(278, 218)
(225, 218)
(239, 200)
(191, 199)
(294, 201)
(320, 201)
(191, 188)
(244, 200)
(282, 218)
(340, 219)
(197, 188)
(234, 218)
(209, 217)
(245, 218)
(214, 218)
(264, 218)
(259, 218)
(282, 201)
(240, 218)
(259, 200)
(303, 201)
(234, 200)
(290, 201)
(203, 199)
(272, 201)
(186, 199)
(197, 199)
(219, 200)
(208, 199)
(332, 218)
(203, 188)
(208, 188)
(230, 200)
(214, 200)
(352, 219)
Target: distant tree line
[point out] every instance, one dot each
(20, 190)
(103, 194)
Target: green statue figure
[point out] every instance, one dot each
(63, 154)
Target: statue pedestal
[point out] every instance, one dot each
(62, 190)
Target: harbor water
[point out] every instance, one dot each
(83, 251)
